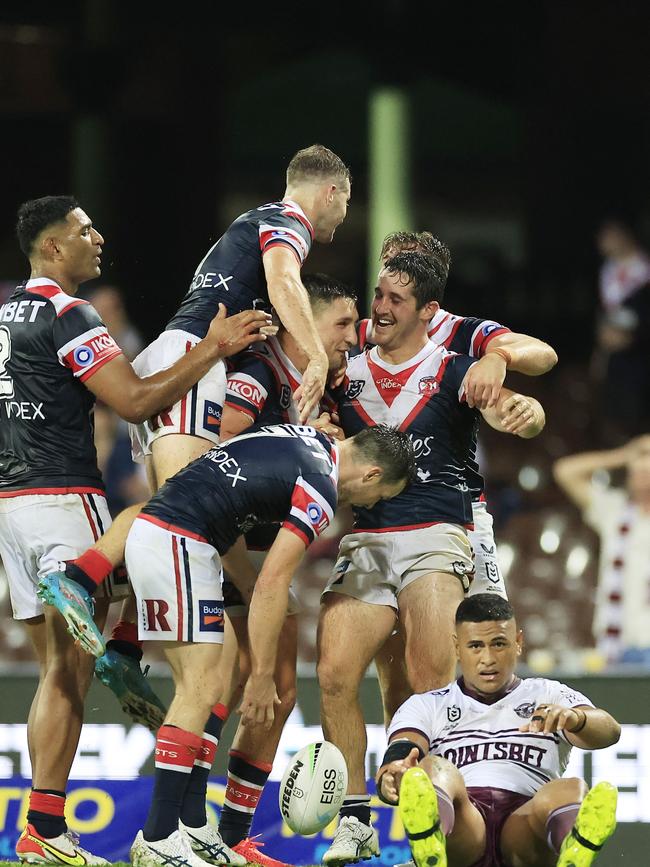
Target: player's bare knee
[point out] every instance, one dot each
(336, 682)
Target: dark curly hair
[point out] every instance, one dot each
(427, 274)
(389, 448)
(38, 214)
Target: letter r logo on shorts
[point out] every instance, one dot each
(155, 620)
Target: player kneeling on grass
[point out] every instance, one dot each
(289, 474)
(476, 767)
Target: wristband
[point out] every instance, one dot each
(582, 724)
(396, 750)
(502, 352)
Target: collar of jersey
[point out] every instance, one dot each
(488, 699)
(34, 282)
(300, 211)
(428, 349)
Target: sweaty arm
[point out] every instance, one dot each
(291, 302)
(136, 399)
(267, 612)
(526, 354)
(517, 414)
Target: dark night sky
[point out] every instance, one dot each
(536, 120)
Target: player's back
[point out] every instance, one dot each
(281, 473)
(50, 342)
(232, 272)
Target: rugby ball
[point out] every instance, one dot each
(313, 787)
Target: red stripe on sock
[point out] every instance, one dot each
(177, 747)
(53, 805)
(263, 766)
(243, 796)
(125, 631)
(95, 565)
(207, 751)
(221, 711)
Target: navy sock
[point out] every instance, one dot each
(45, 812)
(193, 811)
(356, 805)
(176, 750)
(246, 779)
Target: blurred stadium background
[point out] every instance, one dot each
(512, 135)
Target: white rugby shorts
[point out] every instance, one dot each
(487, 574)
(176, 578)
(376, 567)
(39, 531)
(198, 413)
(233, 601)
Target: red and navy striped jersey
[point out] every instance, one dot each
(283, 474)
(466, 335)
(232, 272)
(423, 397)
(50, 344)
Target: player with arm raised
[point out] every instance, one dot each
(476, 767)
(292, 475)
(255, 264)
(55, 356)
(411, 558)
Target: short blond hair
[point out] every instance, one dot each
(316, 163)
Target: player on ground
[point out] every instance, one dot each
(285, 474)
(255, 263)
(55, 357)
(410, 558)
(259, 393)
(476, 767)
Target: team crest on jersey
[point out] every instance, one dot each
(210, 615)
(315, 513)
(453, 713)
(488, 329)
(428, 385)
(83, 356)
(354, 388)
(285, 397)
(525, 710)
(211, 415)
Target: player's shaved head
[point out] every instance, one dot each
(38, 214)
(483, 607)
(316, 163)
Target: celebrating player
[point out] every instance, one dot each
(284, 474)
(55, 357)
(255, 263)
(410, 557)
(476, 767)
(259, 393)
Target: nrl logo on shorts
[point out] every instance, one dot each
(355, 388)
(453, 713)
(285, 402)
(525, 710)
(428, 385)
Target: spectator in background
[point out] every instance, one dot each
(621, 517)
(125, 482)
(108, 301)
(621, 361)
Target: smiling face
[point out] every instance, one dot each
(488, 652)
(336, 323)
(395, 317)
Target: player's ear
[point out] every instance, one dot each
(373, 474)
(48, 248)
(456, 646)
(429, 310)
(520, 642)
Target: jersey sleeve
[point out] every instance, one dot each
(560, 693)
(82, 341)
(313, 503)
(455, 370)
(285, 228)
(471, 336)
(248, 386)
(417, 714)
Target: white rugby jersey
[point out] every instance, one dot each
(483, 740)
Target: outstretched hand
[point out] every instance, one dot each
(232, 334)
(390, 776)
(483, 381)
(548, 718)
(258, 702)
(310, 391)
